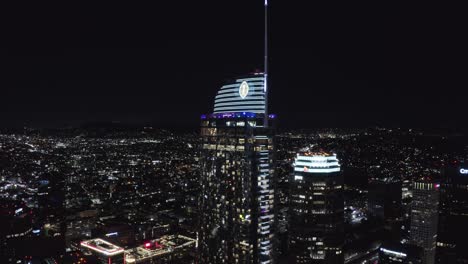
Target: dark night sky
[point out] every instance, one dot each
(343, 64)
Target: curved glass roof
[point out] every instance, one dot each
(244, 94)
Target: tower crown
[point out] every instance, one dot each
(245, 94)
(316, 162)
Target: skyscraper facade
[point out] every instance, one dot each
(424, 218)
(384, 204)
(453, 215)
(316, 209)
(237, 185)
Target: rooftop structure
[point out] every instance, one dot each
(101, 246)
(159, 248)
(316, 208)
(316, 162)
(245, 94)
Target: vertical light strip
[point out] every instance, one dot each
(265, 74)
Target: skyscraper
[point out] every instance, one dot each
(237, 184)
(453, 215)
(384, 204)
(384, 198)
(424, 218)
(316, 209)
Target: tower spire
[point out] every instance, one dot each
(265, 74)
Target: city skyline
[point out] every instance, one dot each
(251, 132)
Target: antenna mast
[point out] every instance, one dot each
(265, 74)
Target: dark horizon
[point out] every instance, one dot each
(348, 65)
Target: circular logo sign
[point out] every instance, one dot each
(243, 89)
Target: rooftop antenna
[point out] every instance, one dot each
(265, 74)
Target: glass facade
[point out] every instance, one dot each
(245, 94)
(237, 195)
(453, 216)
(424, 218)
(316, 209)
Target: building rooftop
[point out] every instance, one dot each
(244, 94)
(103, 247)
(158, 248)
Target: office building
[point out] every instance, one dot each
(316, 209)
(237, 181)
(453, 215)
(384, 204)
(424, 218)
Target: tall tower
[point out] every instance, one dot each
(237, 184)
(384, 204)
(453, 215)
(237, 196)
(316, 209)
(424, 218)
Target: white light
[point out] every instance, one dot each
(463, 171)
(244, 89)
(317, 164)
(318, 170)
(298, 178)
(400, 254)
(110, 251)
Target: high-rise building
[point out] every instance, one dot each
(316, 209)
(424, 218)
(384, 198)
(384, 204)
(453, 215)
(237, 184)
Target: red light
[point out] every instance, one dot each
(147, 245)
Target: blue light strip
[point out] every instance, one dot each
(236, 115)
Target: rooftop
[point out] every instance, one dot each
(101, 246)
(158, 248)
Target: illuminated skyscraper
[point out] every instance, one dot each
(316, 209)
(453, 215)
(424, 218)
(237, 184)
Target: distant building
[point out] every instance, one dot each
(384, 198)
(424, 218)
(316, 209)
(237, 185)
(384, 203)
(400, 254)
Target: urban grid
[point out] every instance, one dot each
(237, 189)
